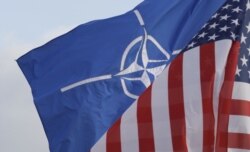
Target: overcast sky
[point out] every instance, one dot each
(24, 25)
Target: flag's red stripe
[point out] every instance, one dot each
(226, 98)
(240, 107)
(207, 75)
(176, 105)
(239, 141)
(145, 124)
(113, 143)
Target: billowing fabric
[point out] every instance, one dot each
(201, 101)
(179, 112)
(84, 80)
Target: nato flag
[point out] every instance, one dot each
(84, 80)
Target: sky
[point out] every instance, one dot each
(24, 25)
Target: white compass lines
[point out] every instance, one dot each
(139, 63)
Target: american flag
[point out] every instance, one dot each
(201, 102)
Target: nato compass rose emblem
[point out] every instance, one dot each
(139, 66)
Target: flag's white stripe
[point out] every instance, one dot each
(239, 124)
(100, 146)
(241, 91)
(237, 150)
(193, 100)
(160, 113)
(129, 130)
(222, 49)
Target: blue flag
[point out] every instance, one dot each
(84, 80)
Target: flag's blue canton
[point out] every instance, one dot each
(243, 69)
(231, 21)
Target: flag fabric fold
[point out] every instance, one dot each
(84, 80)
(201, 100)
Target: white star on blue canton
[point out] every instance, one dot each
(202, 35)
(248, 5)
(233, 36)
(213, 26)
(191, 45)
(244, 61)
(248, 27)
(243, 38)
(225, 17)
(213, 37)
(238, 70)
(225, 28)
(227, 6)
(248, 51)
(237, 9)
(215, 15)
(236, 22)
